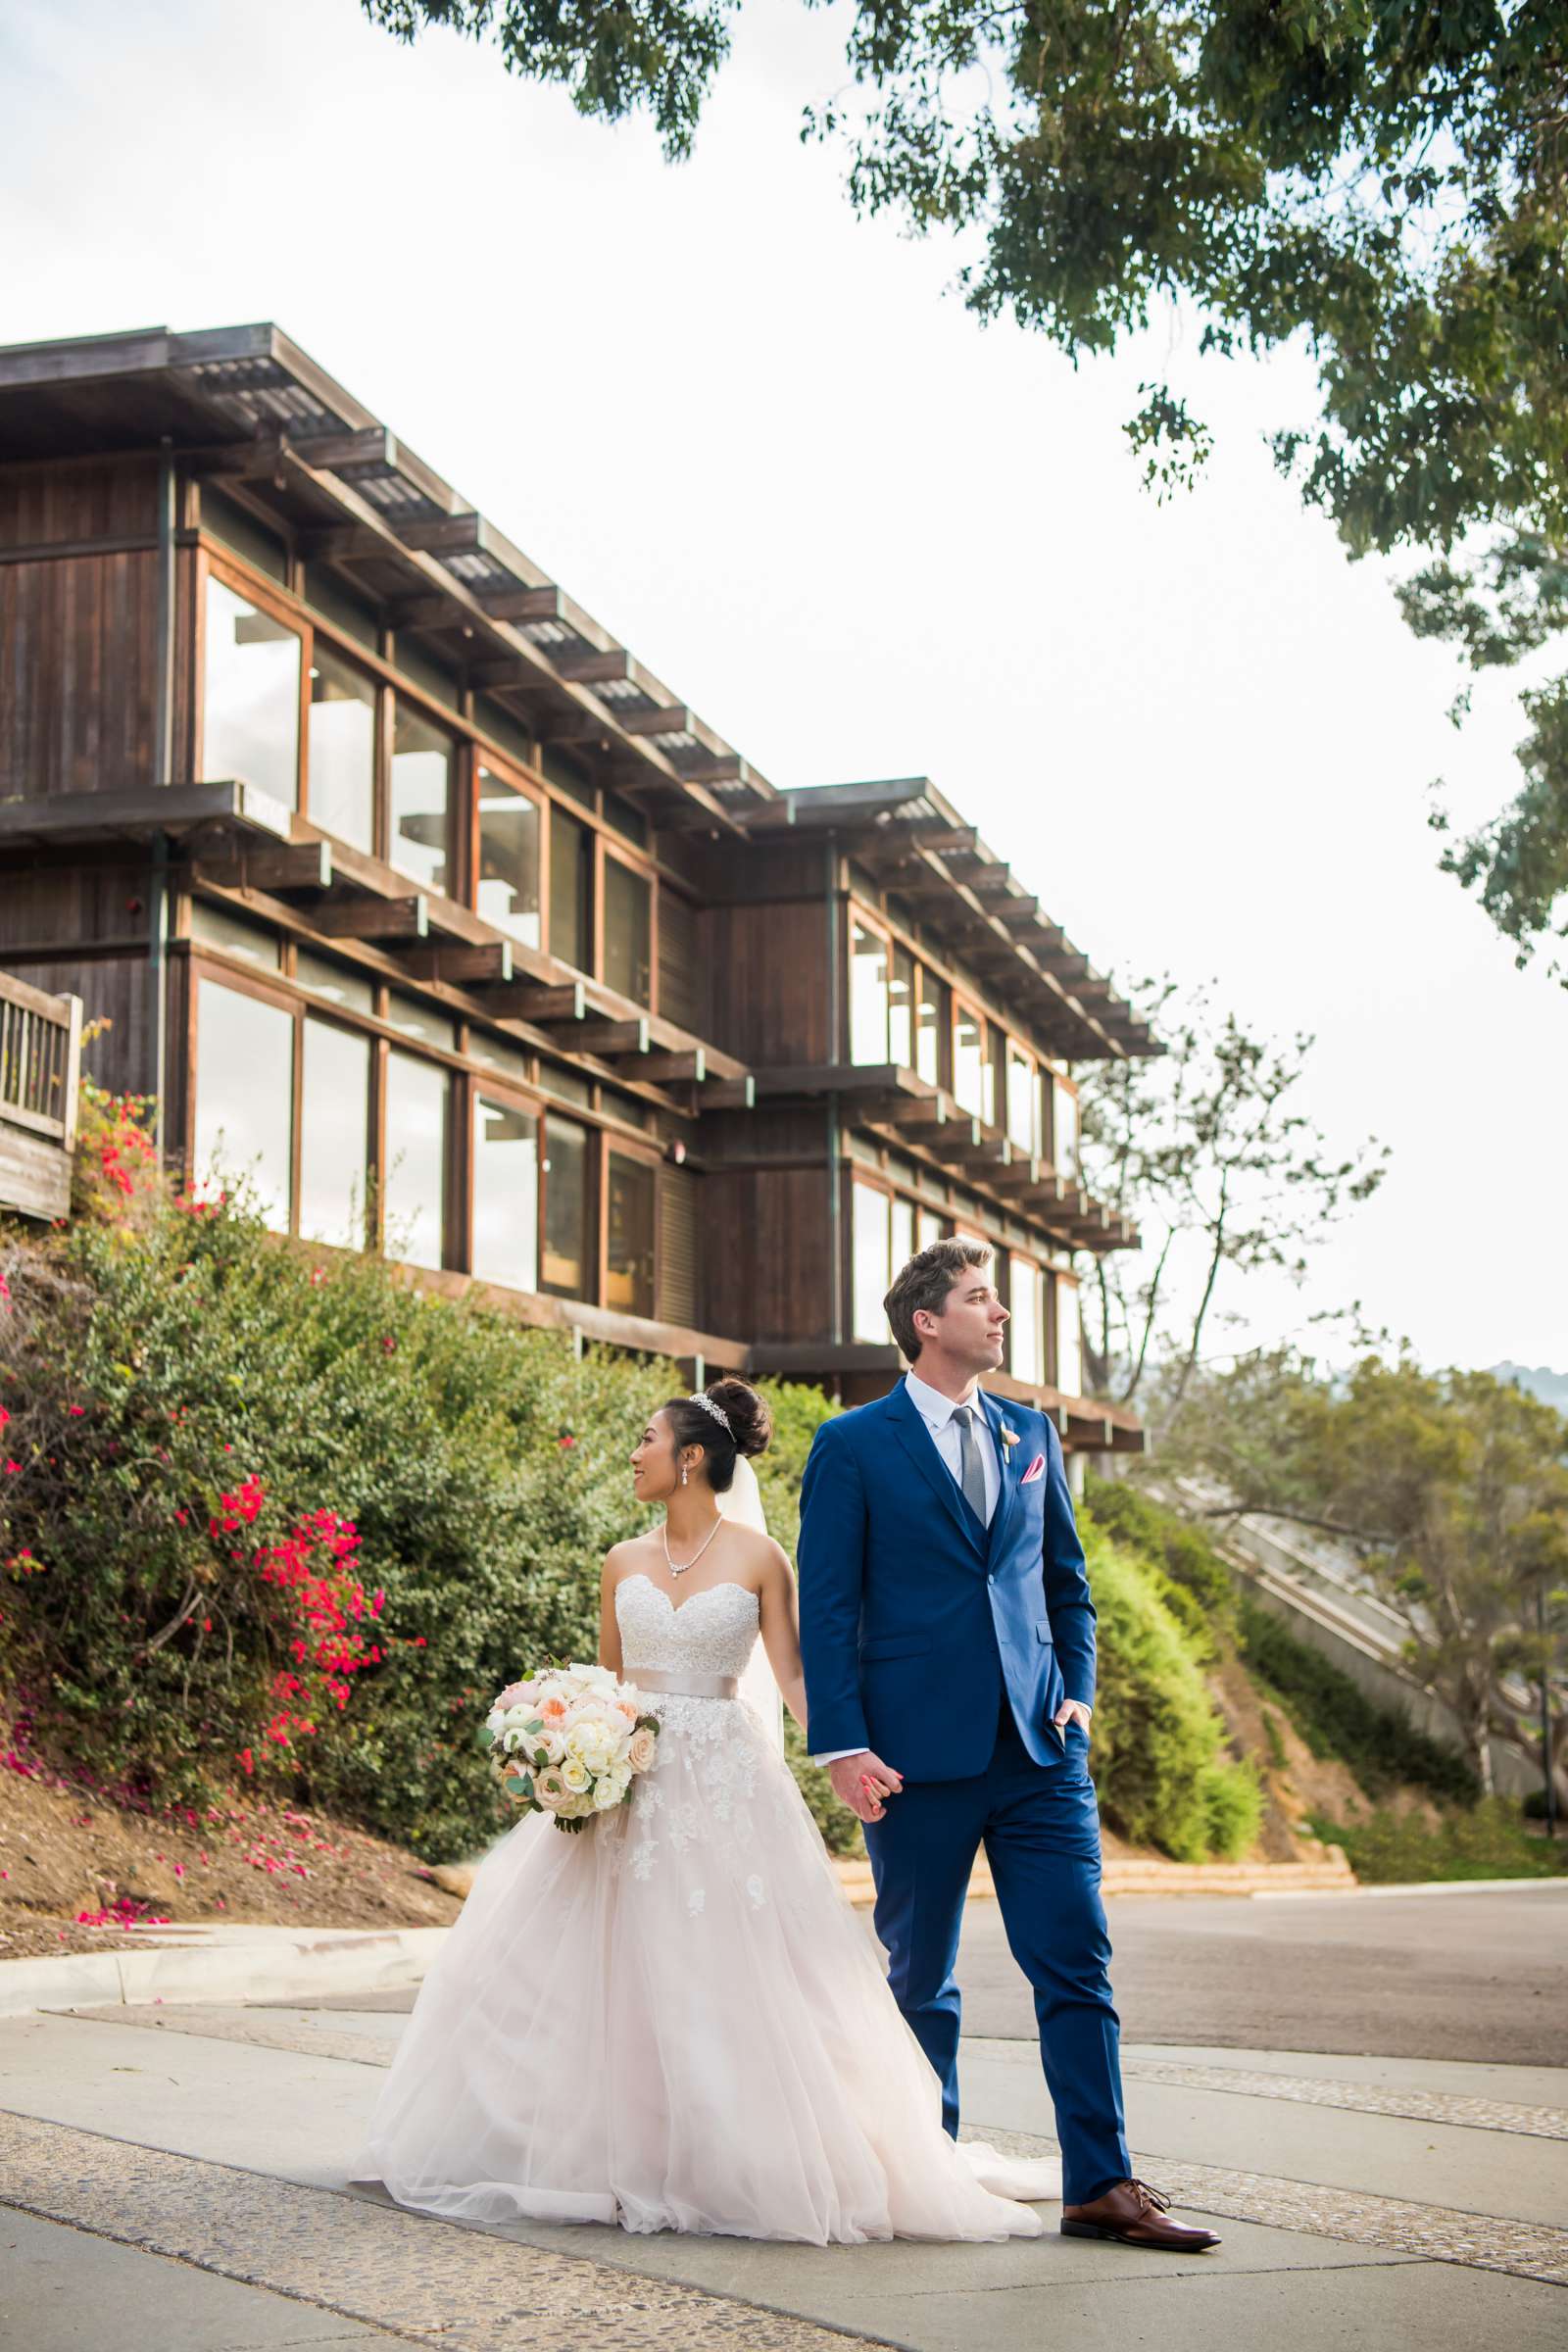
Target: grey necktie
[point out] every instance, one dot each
(971, 1470)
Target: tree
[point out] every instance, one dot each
(1205, 1148)
(1450, 1489)
(1389, 182)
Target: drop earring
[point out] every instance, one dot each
(683, 1474)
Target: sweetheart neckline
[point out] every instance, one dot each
(726, 1584)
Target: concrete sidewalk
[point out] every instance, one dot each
(188, 2164)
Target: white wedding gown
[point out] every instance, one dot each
(673, 2020)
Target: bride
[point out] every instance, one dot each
(673, 2020)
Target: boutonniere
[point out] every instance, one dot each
(1009, 1438)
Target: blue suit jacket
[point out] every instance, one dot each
(915, 1618)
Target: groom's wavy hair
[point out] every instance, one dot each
(921, 1287)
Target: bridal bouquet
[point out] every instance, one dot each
(569, 1741)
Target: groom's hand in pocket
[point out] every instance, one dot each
(864, 1783)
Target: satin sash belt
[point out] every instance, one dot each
(682, 1685)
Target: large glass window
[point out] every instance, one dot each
(929, 1228)
(336, 982)
(1064, 1129)
(571, 891)
(566, 1263)
(1025, 1335)
(870, 1248)
(414, 1186)
(868, 995)
(1022, 1099)
(1069, 1340)
(933, 1036)
(415, 1019)
(628, 932)
(901, 1010)
(245, 1095)
(342, 747)
(629, 1246)
(903, 1235)
(334, 1129)
(505, 1193)
(422, 758)
(968, 1063)
(996, 1081)
(216, 927)
(508, 859)
(250, 695)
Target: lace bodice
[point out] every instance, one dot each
(711, 1631)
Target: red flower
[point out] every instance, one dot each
(13, 1469)
(78, 1410)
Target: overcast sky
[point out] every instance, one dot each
(864, 536)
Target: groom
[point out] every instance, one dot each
(946, 1626)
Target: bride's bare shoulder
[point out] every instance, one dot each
(759, 1553)
(627, 1558)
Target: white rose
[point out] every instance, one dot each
(575, 1776)
(608, 1793)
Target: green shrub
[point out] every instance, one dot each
(1197, 1587)
(185, 1396)
(1156, 1738)
(1485, 1842)
(1336, 1719)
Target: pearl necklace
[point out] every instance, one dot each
(664, 1535)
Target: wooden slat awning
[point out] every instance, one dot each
(324, 888)
(247, 403)
(914, 844)
(914, 1114)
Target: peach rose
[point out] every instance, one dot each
(551, 1790)
(642, 1749)
(516, 1695)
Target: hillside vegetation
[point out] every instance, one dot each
(286, 1524)
(1330, 1763)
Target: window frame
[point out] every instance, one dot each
(214, 563)
(620, 853)
(516, 779)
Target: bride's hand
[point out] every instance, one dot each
(863, 1783)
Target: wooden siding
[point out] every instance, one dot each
(78, 675)
(91, 497)
(767, 1243)
(770, 993)
(50, 902)
(678, 1290)
(113, 988)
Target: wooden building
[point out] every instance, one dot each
(407, 889)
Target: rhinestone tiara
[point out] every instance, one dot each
(709, 1406)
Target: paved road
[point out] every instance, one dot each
(1480, 1975)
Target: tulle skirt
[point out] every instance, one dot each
(673, 2020)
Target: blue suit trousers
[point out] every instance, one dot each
(1040, 1827)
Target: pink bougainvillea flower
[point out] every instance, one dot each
(13, 1469)
(76, 1411)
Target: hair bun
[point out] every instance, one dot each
(751, 1423)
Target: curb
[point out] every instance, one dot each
(1163, 1878)
(267, 1966)
(1423, 1887)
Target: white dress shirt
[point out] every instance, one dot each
(936, 1411)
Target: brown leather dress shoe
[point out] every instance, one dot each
(1134, 2214)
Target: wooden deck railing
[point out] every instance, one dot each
(40, 1058)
